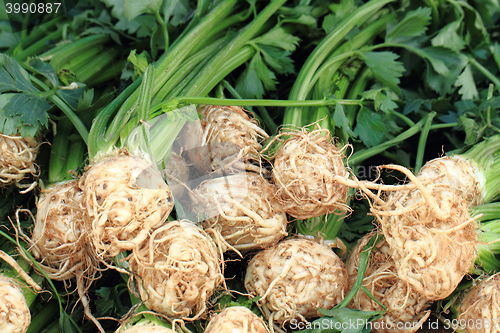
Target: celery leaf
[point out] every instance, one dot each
(414, 24)
(370, 126)
(341, 120)
(248, 84)
(465, 80)
(23, 106)
(278, 37)
(133, 8)
(449, 37)
(45, 69)
(385, 68)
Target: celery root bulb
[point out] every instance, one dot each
(406, 309)
(232, 136)
(176, 174)
(59, 238)
(243, 209)
(432, 237)
(480, 308)
(15, 315)
(178, 270)
(456, 172)
(236, 319)
(17, 161)
(294, 278)
(126, 198)
(307, 170)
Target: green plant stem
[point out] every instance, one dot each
(205, 82)
(80, 127)
(97, 133)
(422, 141)
(43, 317)
(38, 46)
(269, 102)
(494, 79)
(293, 116)
(163, 28)
(440, 126)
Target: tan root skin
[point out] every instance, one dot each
(126, 198)
(481, 306)
(17, 161)
(59, 240)
(244, 210)
(403, 304)
(14, 312)
(431, 234)
(230, 137)
(178, 270)
(176, 174)
(295, 277)
(236, 319)
(306, 169)
(456, 172)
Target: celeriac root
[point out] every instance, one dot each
(15, 315)
(480, 309)
(306, 169)
(236, 319)
(242, 208)
(294, 278)
(176, 174)
(406, 309)
(230, 137)
(431, 234)
(458, 173)
(17, 161)
(60, 240)
(126, 199)
(177, 270)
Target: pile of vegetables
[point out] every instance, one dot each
(256, 166)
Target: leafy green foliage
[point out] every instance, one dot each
(109, 302)
(466, 83)
(341, 120)
(359, 223)
(133, 8)
(370, 127)
(385, 68)
(273, 51)
(23, 107)
(414, 24)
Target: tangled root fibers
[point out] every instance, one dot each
(177, 270)
(126, 198)
(306, 171)
(294, 278)
(404, 305)
(431, 234)
(17, 161)
(480, 309)
(232, 135)
(243, 209)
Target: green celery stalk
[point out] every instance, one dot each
(293, 116)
